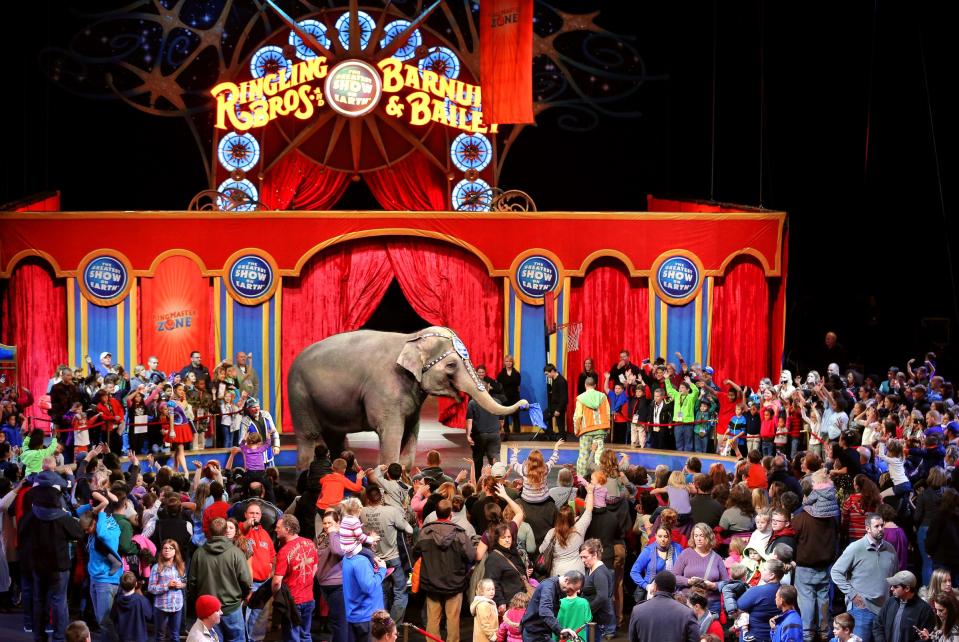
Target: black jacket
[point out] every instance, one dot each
(175, 528)
(541, 516)
(447, 554)
(510, 384)
(44, 542)
(558, 395)
(504, 570)
(539, 622)
(598, 591)
(916, 613)
(942, 542)
(608, 527)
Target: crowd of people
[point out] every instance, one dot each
(842, 526)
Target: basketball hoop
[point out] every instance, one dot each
(573, 332)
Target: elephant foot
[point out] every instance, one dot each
(304, 452)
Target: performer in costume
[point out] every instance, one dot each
(260, 421)
(181, 427)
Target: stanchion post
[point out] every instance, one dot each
(406, 632)
(591, 632)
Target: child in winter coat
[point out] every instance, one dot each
(509, 630)
(821, 502)
(483, 610)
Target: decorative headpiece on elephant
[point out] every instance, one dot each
(368, 380)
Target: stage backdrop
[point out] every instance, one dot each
(709, 285)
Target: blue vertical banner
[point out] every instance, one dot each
(93, 328)
(254, 329)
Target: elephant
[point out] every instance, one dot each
(369, 380)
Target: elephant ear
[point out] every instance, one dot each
(413, 358)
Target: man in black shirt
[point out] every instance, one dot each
(558, 400)
(482, 430)
(617, 372)
(509, 380)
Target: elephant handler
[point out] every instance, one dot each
(483, 429)
(590, 421)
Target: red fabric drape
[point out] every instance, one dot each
(448, 287)
(177, 292)
(34, 318)
(337, 292)
(413, 184)
(614, 310)
(740, 332)
(298, 183)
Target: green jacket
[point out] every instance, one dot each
(219, 568)
(684, 407)
(33, 459)
(573, 613)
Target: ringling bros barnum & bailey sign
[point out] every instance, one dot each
(352, 88)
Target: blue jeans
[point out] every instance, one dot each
(337, 607)
(701, 443)
(864, 619)
(793, 446)
(684, 437)
(102, 595)
(813, 587)
(232, 626)
(168, 625)
(50, 594)
(399, 598)
(26, 598)
(921, 536)
(300, 633)
(767, 447)
(224, 435)
(257, 620)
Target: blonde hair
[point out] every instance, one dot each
(677, 479)
(736, 544)
(351, 506)
(485, 584)
(760, 499)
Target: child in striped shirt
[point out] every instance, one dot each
(352, 536)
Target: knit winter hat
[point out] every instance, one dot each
(206, 605)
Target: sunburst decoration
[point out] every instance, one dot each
(163, 56)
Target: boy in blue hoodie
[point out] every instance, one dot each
(131, 611)
(99, 525)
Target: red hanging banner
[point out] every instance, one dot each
(506, 60)
(175, 315)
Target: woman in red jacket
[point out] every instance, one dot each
(111, 416)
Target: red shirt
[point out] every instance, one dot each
(756, 477)
(795, 423)
(297, 563)
(727, 409)
(261, 564)
(334, 485)
(214, 510)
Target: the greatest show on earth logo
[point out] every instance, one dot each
(104, 278)
(677, 277)
(251, 278)
(536, 276)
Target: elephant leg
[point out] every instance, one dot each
(410, 439)
(306, 425)
(391, 439)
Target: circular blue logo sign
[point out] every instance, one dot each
(677, 277)
(536, 276)
(251, 276)
(105, 278)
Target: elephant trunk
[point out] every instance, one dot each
(485, 400)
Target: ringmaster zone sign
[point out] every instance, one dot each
(251, 277)
(677, 277)
(105, 278)
(536, 276)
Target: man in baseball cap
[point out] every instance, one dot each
(207, 616)
(903, 616)
(106, 362)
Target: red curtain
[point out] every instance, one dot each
(614, 310)
(298, 183)
(740, 333)
(414, 184)
(175, 295)
(34, 318)
(337, 292)
(451, 288)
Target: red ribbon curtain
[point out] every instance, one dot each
(415, 184)
(614, 310)
(337, 292)
(34, 318)
(740, 332)
(298, 183)
(448, 287)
